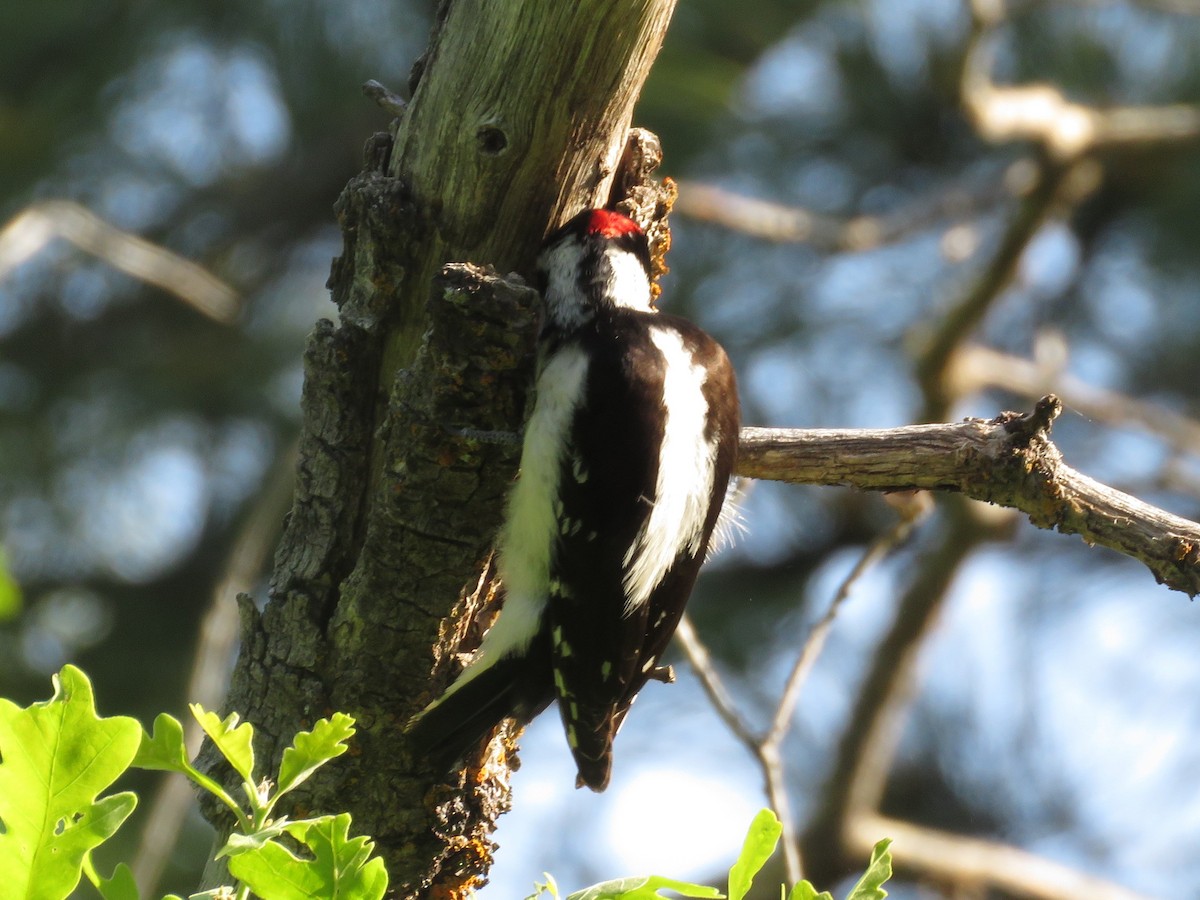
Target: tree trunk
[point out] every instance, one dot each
(519, 117)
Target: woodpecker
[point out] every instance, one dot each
(626, 459)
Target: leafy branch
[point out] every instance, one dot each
(59, 756)
(758, 847)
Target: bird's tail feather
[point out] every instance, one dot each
(454, 725)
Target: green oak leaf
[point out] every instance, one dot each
(312, 749)
(805, 891)
(120, 887)
(341, 867)
(166, 750)
(57, 756)
(233, 740)
(761, 840)
(644, 888)
(879, 870)
(869, 887)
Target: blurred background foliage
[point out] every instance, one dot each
(139, 435)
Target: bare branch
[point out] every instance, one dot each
(1008, 460)
(975, 367)
(773, 221)
(761, 218)
(702, 664)
(971, 861)
(27, 233)
(385, 97)
(1046, 186)
(1042, 113)
(766, 752)
(877, 550)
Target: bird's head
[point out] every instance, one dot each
(599, 258)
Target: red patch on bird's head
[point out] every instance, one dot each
(609, 224)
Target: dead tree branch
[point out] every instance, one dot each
(1008, 460)
(976, 367)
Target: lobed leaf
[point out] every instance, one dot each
(879, 870)
(761, 840)
(312, 749)
(57, 756)
(120, 887)
(233, 740)
(645, 888)
(166, 750)
(805, 891)
(341, 867)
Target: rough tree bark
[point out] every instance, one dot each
(519, 117)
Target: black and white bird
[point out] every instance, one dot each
(626, 460)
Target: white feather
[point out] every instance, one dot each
(731, 524)
(685, 474)
(625, 280)
(619, 277)
(531, 525)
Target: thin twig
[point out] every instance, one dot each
(210, 665)
(27, 233)
(769, 749)
(767, 755)
(722, 701)
(775, 781)
(884, 544)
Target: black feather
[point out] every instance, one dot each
(517, 687)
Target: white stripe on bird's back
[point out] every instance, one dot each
(685, 471)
